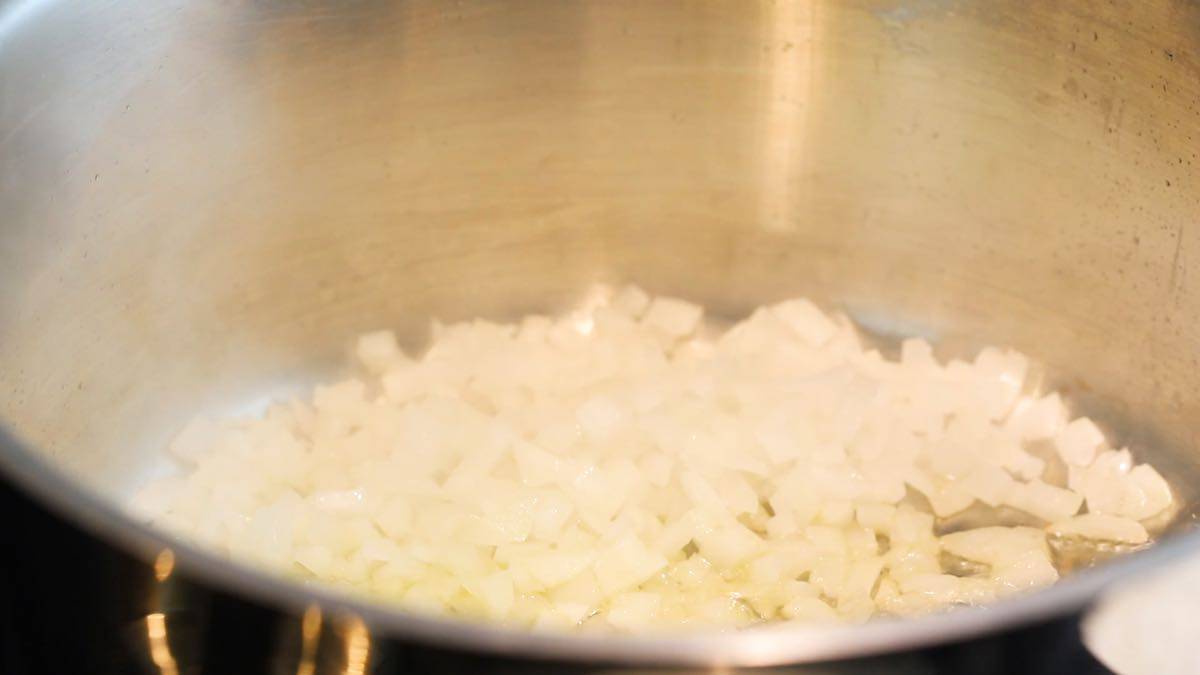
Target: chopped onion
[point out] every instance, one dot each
(630, 467)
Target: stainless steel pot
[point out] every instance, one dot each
(201, 201)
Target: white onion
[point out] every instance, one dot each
(628, 467)
(1102, 527)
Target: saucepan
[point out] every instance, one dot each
(201, 201)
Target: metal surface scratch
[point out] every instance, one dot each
(1174, 287)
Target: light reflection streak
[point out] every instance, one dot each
(164, 564)
(310, 634)
(13, 13)
(358, 648)
(160, 650)
(790, 65)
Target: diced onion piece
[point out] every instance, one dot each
(1156, 494)
(806, 321)
(378, 351)
(674, 318)
(196, 439)
(995, 545)
(1048, 502)
(626, 564)
(878, 517)
(941, 589)
(633, 611)
(1037, 419)
(1031, 569)
(536, 466)
(1079, 442)
(631, 300)
(1112, 486)
(809, 609)
(989, 484)
(496, 593)
(729, 544)
(1101, 527)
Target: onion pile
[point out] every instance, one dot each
(630, 467)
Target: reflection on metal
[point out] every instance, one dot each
(164, 564)
(12, 15)
(792, 59)
(358, 647)
(706, 670)
(160, 650)
(310, 633)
